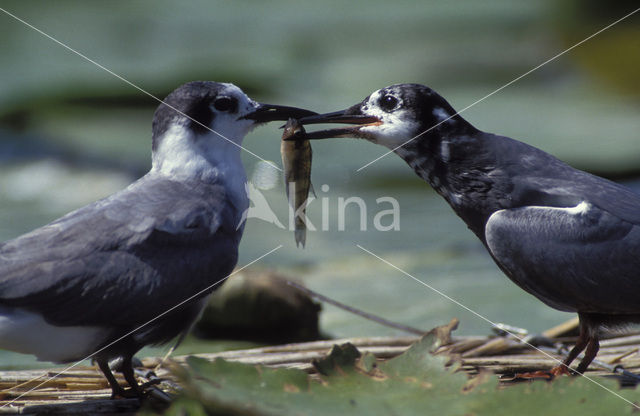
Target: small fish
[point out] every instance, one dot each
(296, 160)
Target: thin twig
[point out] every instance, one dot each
(355, 311)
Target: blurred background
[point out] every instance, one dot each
(71, 133)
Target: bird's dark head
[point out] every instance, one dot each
(390, 116)
(202, 106)
(205, 121)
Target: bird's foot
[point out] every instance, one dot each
(136, 393)
(561, 370)
(153, 382)
(126, 394)
(533, 375)
(557, 371)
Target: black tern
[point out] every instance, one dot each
(74, 286)
(567, 237)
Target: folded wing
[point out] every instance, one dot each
(582, 258)
(158, 239)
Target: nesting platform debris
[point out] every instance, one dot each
(84, 390)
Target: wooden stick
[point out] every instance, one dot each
(355, 311)
(562, 329)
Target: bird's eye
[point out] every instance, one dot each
(224, 104)
(388, 102)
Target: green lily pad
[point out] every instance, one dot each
(414, 383)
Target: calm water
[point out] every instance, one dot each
(72, 150)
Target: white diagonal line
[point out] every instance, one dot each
(131, 332)
(501, 88)
(134, 85)
(444, 295)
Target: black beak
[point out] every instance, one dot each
(351, 115)
(348, 116)
(269, 112)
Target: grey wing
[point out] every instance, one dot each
(574, 259)
(573, 186)
(122, 260)
(614, 198)
(548, 181)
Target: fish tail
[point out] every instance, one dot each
(301, 236)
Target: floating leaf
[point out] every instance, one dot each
(413, 383)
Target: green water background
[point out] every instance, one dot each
(71, 133)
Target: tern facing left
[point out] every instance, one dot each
(569, 238)
(74, 286)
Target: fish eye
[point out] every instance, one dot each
(388, 102)
(224, 104)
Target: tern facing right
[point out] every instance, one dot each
(104, 281)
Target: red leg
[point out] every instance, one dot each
(581, 343)
(584, 341)
(589, 354)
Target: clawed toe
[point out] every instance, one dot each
(561, 370)
(129, 393)
(533, 375)
(557, 371)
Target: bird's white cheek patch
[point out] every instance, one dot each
(229, 129)
(391, 132)
(180, 155)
